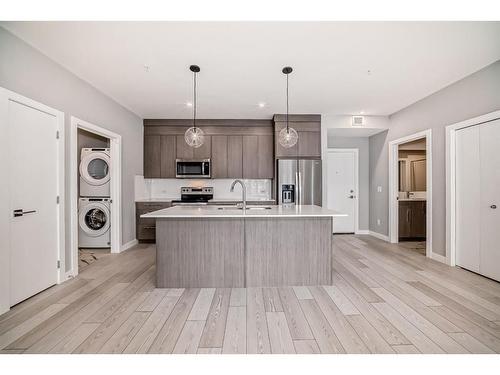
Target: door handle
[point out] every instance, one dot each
(493, 206)
(19, 212)
(351, 196)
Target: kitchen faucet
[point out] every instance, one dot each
(243, 189)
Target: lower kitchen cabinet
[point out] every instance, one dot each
(146, 228)
(412, 220)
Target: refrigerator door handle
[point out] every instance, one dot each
(297, 188)
(300, 187)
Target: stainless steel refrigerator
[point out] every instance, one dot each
(299, 181)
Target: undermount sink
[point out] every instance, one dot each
(241, 208)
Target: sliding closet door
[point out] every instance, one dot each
(468, 197)
(490, 198)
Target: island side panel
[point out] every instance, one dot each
(288, 251)
(199, 253)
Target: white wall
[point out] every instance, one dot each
(28, 72)
(472, 96)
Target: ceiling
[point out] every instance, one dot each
(339, 67)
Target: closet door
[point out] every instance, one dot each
(468, 195)
(489, 134)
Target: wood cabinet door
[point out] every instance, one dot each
(183, 151)
(250, 154)
(265, 156)
(404, 220)
(219, 156)
(168, 156)
(235, 156)
(205, 150)
(152, 156)
(309, 144)
(282, 152)
(418, 219)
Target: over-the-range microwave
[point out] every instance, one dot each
(189, 168)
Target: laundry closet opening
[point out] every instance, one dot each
(95, 192)
(94, 208)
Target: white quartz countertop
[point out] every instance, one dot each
(214, 211)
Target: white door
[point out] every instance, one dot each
(342, 194)
(477, 199)
(33, 185)
(490, 199)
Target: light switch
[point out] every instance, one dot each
(379, 189)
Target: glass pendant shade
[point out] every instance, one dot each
(195, 137)
(288, 137)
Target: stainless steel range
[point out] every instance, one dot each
(194, 196)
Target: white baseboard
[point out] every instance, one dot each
(362, 231)
(128, 245)
(439, 258)
(380, 236)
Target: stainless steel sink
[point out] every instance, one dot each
(241, 208)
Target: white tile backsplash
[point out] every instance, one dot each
(169, 188)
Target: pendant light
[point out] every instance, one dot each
(194, 136)
(288, 136)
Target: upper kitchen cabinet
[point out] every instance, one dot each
(219, 156)
(234, 156)
(152, 156)
(168, 154)
(237, 148)
(308, 128)
(258, 161)
(184, 151)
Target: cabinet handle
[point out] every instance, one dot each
(150, 227)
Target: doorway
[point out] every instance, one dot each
(343, 188)
(32, 204)
(106, 209)
(410, 192)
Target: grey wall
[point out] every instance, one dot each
(472, 96)
(363, 145)
(28, 72)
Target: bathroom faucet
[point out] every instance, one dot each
(243, 189)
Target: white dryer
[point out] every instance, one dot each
(94, 222)
(94, 172)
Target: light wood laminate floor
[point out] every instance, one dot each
(384, 299)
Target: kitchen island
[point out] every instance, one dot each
(220, 246)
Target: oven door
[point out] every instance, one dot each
(193, 168)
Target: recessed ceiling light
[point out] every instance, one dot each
(262, 105)
(189, 104)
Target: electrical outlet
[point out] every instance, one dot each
(378, 222)
(379, 189)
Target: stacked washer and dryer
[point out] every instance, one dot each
(94, 205)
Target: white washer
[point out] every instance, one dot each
(94, 172)
(94, 222)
